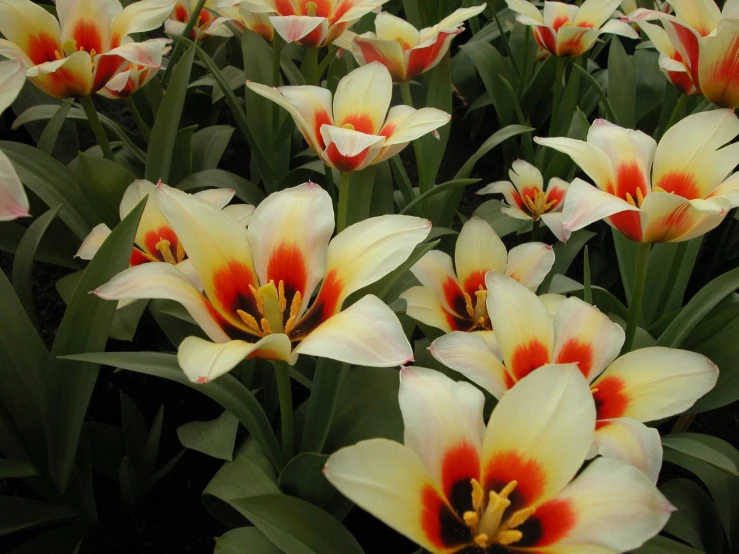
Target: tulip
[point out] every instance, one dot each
(567, 30)
(206, 24)
(687, 195)
(309, 23)
(456, 301)
(404, 50)
(78, 54)
(13, 199)
(526, 198)
(253, 21)
(457, 486)
(358, 130)
(644, 385)
(133, 76)
(706, 41)
(155, 239)
(258, 283)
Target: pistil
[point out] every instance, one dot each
(271, 304)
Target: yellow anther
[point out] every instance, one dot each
(348, 126)
(639, 197)
(548, 206)
(471, 519)
(249, 320)
(508, 489)
(509, 537)
(163, 246)
(58, 55)
(294, 309)
(149, 256)
(258, 299)
(478, 494)
(482, 540)
(630, 200)
(594, 390)
(180, 252)
(468, 305)
(281, 296)
(519, 517)
(266, 329)
(311, 9)
(93, 53)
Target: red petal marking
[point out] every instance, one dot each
(555, 194)
(314, 39)
(285, 7)
(474, 281)
(340, 9)
(325, 305)
(573, 46)
(264, 354)
(629, 223)
(527, 357)
(460, 463)
(724, 88)
(361, 122)
(610, 399)
(106, 68)
(421, 59)
(287, 264)
(558, 22)
(205, 17)
(388, 130)
(454, 297)
(231, 283)
(87, 35)
(514, 466)
(672, 225)
(690, 43)
(372, 54)
(320, 117)
(551, 522)
(345, 163)
(629, 178)
(42, 48)
(137, 257)
(181, 14)
(323, 7)
(681, 183)
(576, 352)
(152, 238)
(442, 526)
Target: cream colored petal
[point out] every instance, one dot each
(530, 263)
(632, 442)
(92, 242)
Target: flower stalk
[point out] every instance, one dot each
(637, 295)
(97, 127)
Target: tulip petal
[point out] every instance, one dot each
(585, 336)
(526, 8)
(555, 222)
(33, 29)
(523, 326)
(653, 383)
(216, 197)
(701, 15)
(294, 28)
(591, 159)
(436, 272)
(728, 189)
(616, 27)
(152, 226)
(139, 17)
(526, 178)
(610, 507)
(719, 63)
(511, 196)
(367, 333)
(164, 281)
(539, 435)
(202, 360)
(12, 79)
(13, 199)
(478, 250)
(671, 217)
(70, 76)
(470, 355)
(692, 158)
(423, 305)
(289, 234)
(415, 125)
(557, 14)
(362, 99)
(573, 41)
(12, 52)
(240, 212)
(92, 242)
(87, 22)
(530, 263)
(395, 29)
(585, 204)
(460, 15)
(429, 52)
(387, 52)
(630, 441)
(349, 150)
(594, 13)
(388, 480)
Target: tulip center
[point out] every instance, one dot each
(478, 310)
(537, 204)
(271, 304)
(639, 198)
(488, 520)
(164, 248)
(311, 8)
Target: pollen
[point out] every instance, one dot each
(639, 198)
(477, 310)
(537, 204)
(271, 304)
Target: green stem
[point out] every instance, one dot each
(559, 76)
(637, 294)
(310, 67)
(178, 47)
(276, 57)
(587, 294)
(344, 191)
(683, 423)
(97, 127)
(676, 113)
(140, 123)
(535, 230)
(330, 185)
(284, 392)
(677, 262)
(423, 184)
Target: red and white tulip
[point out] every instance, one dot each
(79, 53)
(243, 18)
(258, 283)
(526, 198)
(671, 192)
(403, 49)
(456, 300)
(458, 486)
(567, 30)
(644, 385)
(703, 43)
(13, 199)
(357, 130)
(206, 23)
(133, 76)
(311, 23)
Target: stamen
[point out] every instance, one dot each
(468, 304)
(639, 197)
(630, 200)
(58, 55)
(548, 206)
(482, 540)
(471, 519)
(258, 299)
(594, 390)
(508, 489)
(493, 514)
(509, 537)
(481, 309)
(520, 517)
(249, 320)
(281, 296)
(265, 326)
(294, 308)
(165, 251)
(478, 494)
(180, 252)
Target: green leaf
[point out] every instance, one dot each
(218, 178)
(700, 447)
(495, 139)
(602, 299)
(698, 307)
(491, 64)
(164, 132)
(565, 254)
(622, 84)
(226, 390)
(151, 447)
(14, 469)
(18, 513)
(327, 383)
(214, 438)
(26, 253)
(209, 145)
(53, 183)
(663, 545)
(439, 96)
(297, 527)
(438, 189)
(303, 477)
(590, 80)
(626, 255)
(128, 481)
(59, 540)
(722, 349)
(162, 471)
(696, 520)
(103, 182)
(361, 186)
(84, 328)
(48, 138)
(133, 427)
(501, 223)
(245, 539)
(54, 249)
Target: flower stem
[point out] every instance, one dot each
(535, 230)
(637, 295)
(677, 262)
(284, 392)
(310, 67)
(344, 186)
(276, 57)
(97, 127)
(557, 98)
(140, 123)
(423, 184)
(676, 113)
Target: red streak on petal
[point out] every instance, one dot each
(681, 183)
(558, 22)
(152, 238)
(546, 38)
(460, 463)
(474, 282)
(576, 352)
(341, 8)
(320, 117)
(431, 506)
(137, 257)
(231, 283)
(345, 163)
(422, 59)
(629, 178)
(87, 35)
(629, 223)
(553, 520)
(690, 44)
(107, 68)
(454, 297)
(555, 194)
(285, 7)
(42, 48)
(287, 264)
(724, 90)
(372, 54)
(326, 304)
(361, 122)
(181, 14)
(510, 466)
(610, 399)
(388, 130)
(527, 357)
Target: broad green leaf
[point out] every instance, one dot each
(48, 138)
(226, 390)
(303, 477)
(361, 187)
(24, 257)
(501, 223)
(84, 328)
(182, 156)
(133, 427)
(696, 520)
(209, 145)
(219, 178)
(297, 527)
(53, 183)
(602, 299)
(59, 540)
(491, 64)
(214, 438)
(701, 447)
(128, 481)
(164, 132)
(18, 513)
(103, 182)
(245, 539)
(151, 447)
(495, 139)
(626, 255)
(564, 254)
(722, 349)
(162, 471)
(590, 80)
(622, 84)
(13, 469)
(52, 250)
(326, 388)
(439, 95)
(438, 189)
